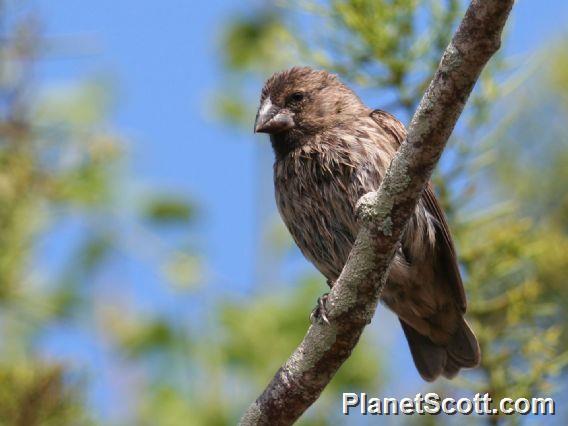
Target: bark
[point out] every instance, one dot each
(353, 300)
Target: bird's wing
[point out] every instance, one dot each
(448, 263)
(390, 124)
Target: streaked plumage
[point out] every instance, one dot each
(330, 150)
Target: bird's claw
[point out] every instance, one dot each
(320, 311)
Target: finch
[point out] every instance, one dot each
(330, 149)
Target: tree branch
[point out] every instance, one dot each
(383, 215)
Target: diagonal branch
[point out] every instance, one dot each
(353, 299)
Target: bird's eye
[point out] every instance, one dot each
(296, 97)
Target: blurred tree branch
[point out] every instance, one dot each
(353, 299)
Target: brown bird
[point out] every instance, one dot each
(330, 149)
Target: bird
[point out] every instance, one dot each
(330, 149)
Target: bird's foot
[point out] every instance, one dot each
(320, 311)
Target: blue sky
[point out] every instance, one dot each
(163, 59)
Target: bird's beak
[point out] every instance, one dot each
(271, 119)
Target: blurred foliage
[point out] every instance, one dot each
(185, 354)
(61, 185)
(532, 167)
(168, 209)
(517, 326)
(37, 395)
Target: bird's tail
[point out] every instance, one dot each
(433, 360)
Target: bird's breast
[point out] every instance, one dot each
(316, 196)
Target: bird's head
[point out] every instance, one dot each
(304, 101)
